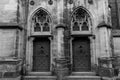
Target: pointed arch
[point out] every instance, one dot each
(38, 9)
(81, 20)
(41, 21)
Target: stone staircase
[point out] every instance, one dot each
(39, 76)
(73, 76)
(83, 76)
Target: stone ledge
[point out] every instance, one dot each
(10, 61)
(104, 24)
(10, 26)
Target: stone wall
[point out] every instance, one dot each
(11, 38)
(8, 11)
(7, 42)
(60, 12)
(21, 12)
(114, 13)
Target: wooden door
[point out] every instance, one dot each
(81, 54)
(41, 55)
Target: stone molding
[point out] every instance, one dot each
(104, 24)
(10, 26)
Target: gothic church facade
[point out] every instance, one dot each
(43, 39)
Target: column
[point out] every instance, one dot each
(60, 42)
(105, 60)
(61, 62)
(105, 40)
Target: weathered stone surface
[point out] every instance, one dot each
(116, 41)
(7, 68)
(60, 12)
(8, 11)
(82, 78)
(39, 78)
(10, 68)
(11, 74)
(7, 42)
(98, 12)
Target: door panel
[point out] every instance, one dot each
(41, 55)
(81, 54)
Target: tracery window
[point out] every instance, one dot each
(81, 21)
(41, 22)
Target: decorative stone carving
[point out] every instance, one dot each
(41, 22)
(81, 20)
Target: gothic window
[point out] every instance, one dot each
(37, 27)
(46, 27)
(84, 26)
(81, 20)
(41, 21)
(76, 26)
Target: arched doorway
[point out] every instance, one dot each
(81, 29)
(40, 41)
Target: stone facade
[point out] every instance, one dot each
(19, 20)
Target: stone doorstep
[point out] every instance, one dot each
(17, 78)
(39, 74)
(83, 74)
(42, 77)
(83, 78)
(39, 77)
(112, 78)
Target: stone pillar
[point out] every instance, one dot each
(105, 40)
(61, 64)
(105, 60)
(60, 42)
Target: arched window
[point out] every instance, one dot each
(76, 26)
(81, 21)
(41, 22)
(84, 26)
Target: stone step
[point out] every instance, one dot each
(39, 74)
(83, 74)
(39, 78)
(82, 78)
(65, 78)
